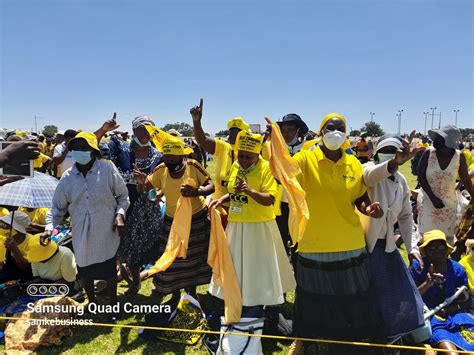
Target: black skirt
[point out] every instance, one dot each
(193, 270)
(100, 271)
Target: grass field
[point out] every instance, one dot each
(100, 340)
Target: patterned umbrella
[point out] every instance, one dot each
(34, 192)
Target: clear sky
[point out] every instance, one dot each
(75, 62)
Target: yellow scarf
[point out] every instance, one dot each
(178, 239)
(223, 272)
(286, 170)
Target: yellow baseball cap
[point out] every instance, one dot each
(37, 252)
(433, 235)
(249, 142)
(238, 122)
(89, 137)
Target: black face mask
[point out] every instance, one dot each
(174, 168)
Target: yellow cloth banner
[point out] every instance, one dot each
(158, 137)
(223, 272)
(286, 170)
(178, 239)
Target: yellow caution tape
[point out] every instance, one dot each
(276, 337)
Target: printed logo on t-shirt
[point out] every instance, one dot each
(350, 178)
(239, 198)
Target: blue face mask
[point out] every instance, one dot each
(385, 157)
(80, 157)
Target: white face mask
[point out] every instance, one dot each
(333, 140)
(383, 157)
(295, 140)
(136, 140)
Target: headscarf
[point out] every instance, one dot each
(328, 117)
(141, 121)
(389, 140)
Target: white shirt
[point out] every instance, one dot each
(92, 202)
(394, 198)
(60, 266)
(67, 163)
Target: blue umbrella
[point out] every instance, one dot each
(34, 192)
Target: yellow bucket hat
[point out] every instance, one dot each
(175, 146)
(238, 122)
(249, 142)
(89, 137)
(433, 235)
(37, 252)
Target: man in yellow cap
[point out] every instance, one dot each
(95, 195)
(222, 151)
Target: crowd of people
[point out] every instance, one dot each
(128, 199)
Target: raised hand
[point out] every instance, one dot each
(111, 125)
(407, 152)
(434, 277)
(196, 111)
(17, 151)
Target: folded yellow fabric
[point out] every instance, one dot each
(286, 170)
(178, 239)
(223, 272)
(158, 136)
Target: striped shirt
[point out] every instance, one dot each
(92, 202)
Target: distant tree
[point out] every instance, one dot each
(184, 128)
(354, 133)
(222, 133)
(50, 130)
(372, 129)
(466, 131)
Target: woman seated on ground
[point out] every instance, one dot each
(51, 263)
(14, 248)
(438, 279)
(38, 218)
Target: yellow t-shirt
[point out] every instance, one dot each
(331, 190)
(38, 162)
(224, 159)
(38, 215)
(469, 158)
(171, 188)
(243, 208)
(468, 263)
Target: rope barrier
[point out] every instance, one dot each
(276, 337)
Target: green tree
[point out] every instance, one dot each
(372, 129)
(184, 128)
(354, 133)
(222, 133)
(50, 130)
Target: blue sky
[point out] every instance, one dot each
(76, 62)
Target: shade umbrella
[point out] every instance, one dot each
(31, 192)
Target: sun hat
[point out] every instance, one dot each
(389, 140)
(451, 135)
(38, 252)
(433, 235)
(21, 221)
(296, 119)
(89, 137)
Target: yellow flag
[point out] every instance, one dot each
(158, 136)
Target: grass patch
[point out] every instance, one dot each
(98, 340)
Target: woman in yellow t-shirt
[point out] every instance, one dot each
(258, 254)
(37, 216)
(14, 248)
(333, 297)
(173, 178)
